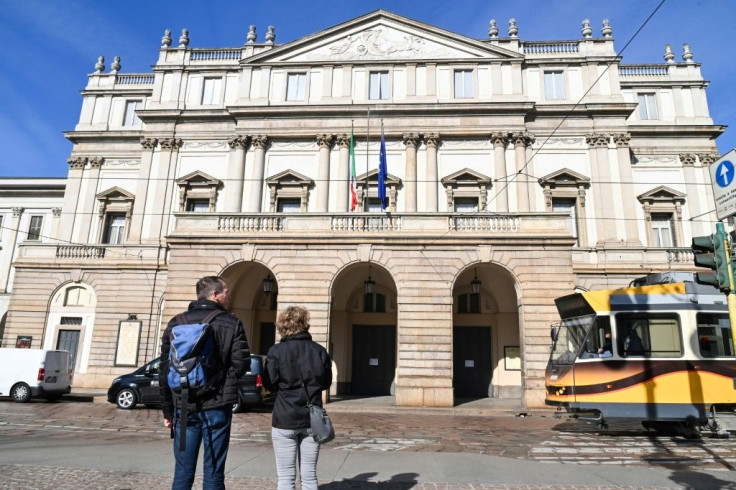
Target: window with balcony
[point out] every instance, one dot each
(198, 192)
(554, 85)
(662, 208)
(114, 233)
(289, 205)
(569, 206)
(289, 192)
(34, 228)
(564, 192)
(211, 90)
(131, 118)
(463, 84)
(296, 86)
(662, 230)
(466, 191)
(647, 106)
(367, 190)
(378, 85)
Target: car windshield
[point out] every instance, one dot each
(571, 334)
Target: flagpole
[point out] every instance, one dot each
(367, 142)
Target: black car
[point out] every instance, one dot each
(141, 386)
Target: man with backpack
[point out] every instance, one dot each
(203, 353)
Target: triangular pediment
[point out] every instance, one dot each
(289, 177)
(661, 194)
(381, 36)
(198, 177)
(565, 176)
(372, 177)
(115, 194)
(466, 176)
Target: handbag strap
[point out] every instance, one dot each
(301, 378)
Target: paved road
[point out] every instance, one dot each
(95, 445)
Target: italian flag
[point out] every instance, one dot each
(353, 191)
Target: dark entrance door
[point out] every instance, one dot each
(268, 337)
(69, 340)
(471, 364)
(374, 359)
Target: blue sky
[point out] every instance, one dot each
(48, 47)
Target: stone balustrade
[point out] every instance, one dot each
(643, 70)
(134, 79)
(215, 55)
(79, 252)
(561, 47)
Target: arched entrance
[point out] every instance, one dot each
(486, 341)
(254, 299)
(363, 331)
(70, 325)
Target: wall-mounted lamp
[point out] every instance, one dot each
(475, 283)
(369, 283)
(268, 285)
(132, 317)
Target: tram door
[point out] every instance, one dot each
(374, 359)
(471, 364)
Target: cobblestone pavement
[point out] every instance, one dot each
(538, 437)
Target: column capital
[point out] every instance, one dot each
(687, 159)
(522, 139)
(17, 211)
(708, 158)
(96, 162)
(343, 140)
(500, 139)
(325, 140)
(56, 212)
(621, 139)
(76, 162)
(171, 144)
(259, 141)
(238, 142)
(149, 143)
(432, 140)
(411, 140)
(597, 140)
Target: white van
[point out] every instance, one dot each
(26, 373)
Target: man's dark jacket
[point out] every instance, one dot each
(281, 376)
(233, 351)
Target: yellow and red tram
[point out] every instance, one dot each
(659, 351)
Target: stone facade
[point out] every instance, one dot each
(517, 172)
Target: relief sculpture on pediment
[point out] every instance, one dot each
(380, 44)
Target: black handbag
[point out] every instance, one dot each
(320, 424)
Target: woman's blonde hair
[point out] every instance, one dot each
(292, 320)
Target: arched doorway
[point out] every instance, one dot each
(486, 341)
(70, 325)
(254, 299)
(363, 331)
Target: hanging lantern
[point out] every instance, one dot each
(369, 283)
(268, 285)
(475, 283)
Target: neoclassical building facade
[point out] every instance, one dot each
(517, 171)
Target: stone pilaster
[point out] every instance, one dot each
(523, 182)
(432, 141)
(235, 174)
(260, 144)
(71, 197)
(144, 178)
(322, 194)
(626, 177)
(88, 205)
(411, 142)
(163, 187)
(500, 141)
(343, 174)
(601, 188)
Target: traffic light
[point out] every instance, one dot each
(713, 252)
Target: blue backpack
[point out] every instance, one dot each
(195, 368)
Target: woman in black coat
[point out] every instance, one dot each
(295, 358)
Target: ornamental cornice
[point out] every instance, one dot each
(76, 162)
(171, 144)
(238, 142)
(410, 140)
(325, 140)
(148, 143)
(260, 141)
(621, 139)
(432, 140)
(687, 159)
(597, 140)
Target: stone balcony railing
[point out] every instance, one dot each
(648, 70)
(93, 254)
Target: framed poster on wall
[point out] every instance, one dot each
(512, 358)
(23, 341)
(129, 334)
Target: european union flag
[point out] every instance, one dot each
(382, 172)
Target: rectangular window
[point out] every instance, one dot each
(647, 106)
(131, 118)
(292, 205)
(662, 230)
(554, 85)
(296, 86)
(714, 335)
(567, 206)
(378, 85)
(34, 230)
(468, 303)
(211, 91)
(463, 84)
(198, 205)
(374, 205)
(648, 335)
(114, 229)
(374, 303)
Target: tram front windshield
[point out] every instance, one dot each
(570, 338)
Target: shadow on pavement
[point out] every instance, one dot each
(700, 481)
(401, 481)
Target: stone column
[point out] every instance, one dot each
(432, 141)
(693, 192)
(605, 212)
(55, 218)
(322, 194)
(706, 160)
(411, 141)
(260, 143)
(88, 203)
(71, 197)
(144, 179)
(343, 174)
(521, 140)
(626, 178)
(163, 187)
(6, 259)
(235, 174)
(500, 141)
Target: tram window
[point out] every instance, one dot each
(714, 335)
(646, 335)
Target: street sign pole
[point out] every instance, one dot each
(731, 293)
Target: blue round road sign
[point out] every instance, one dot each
(724, 173)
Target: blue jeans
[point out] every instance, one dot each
(211, 428)
(288, 446)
